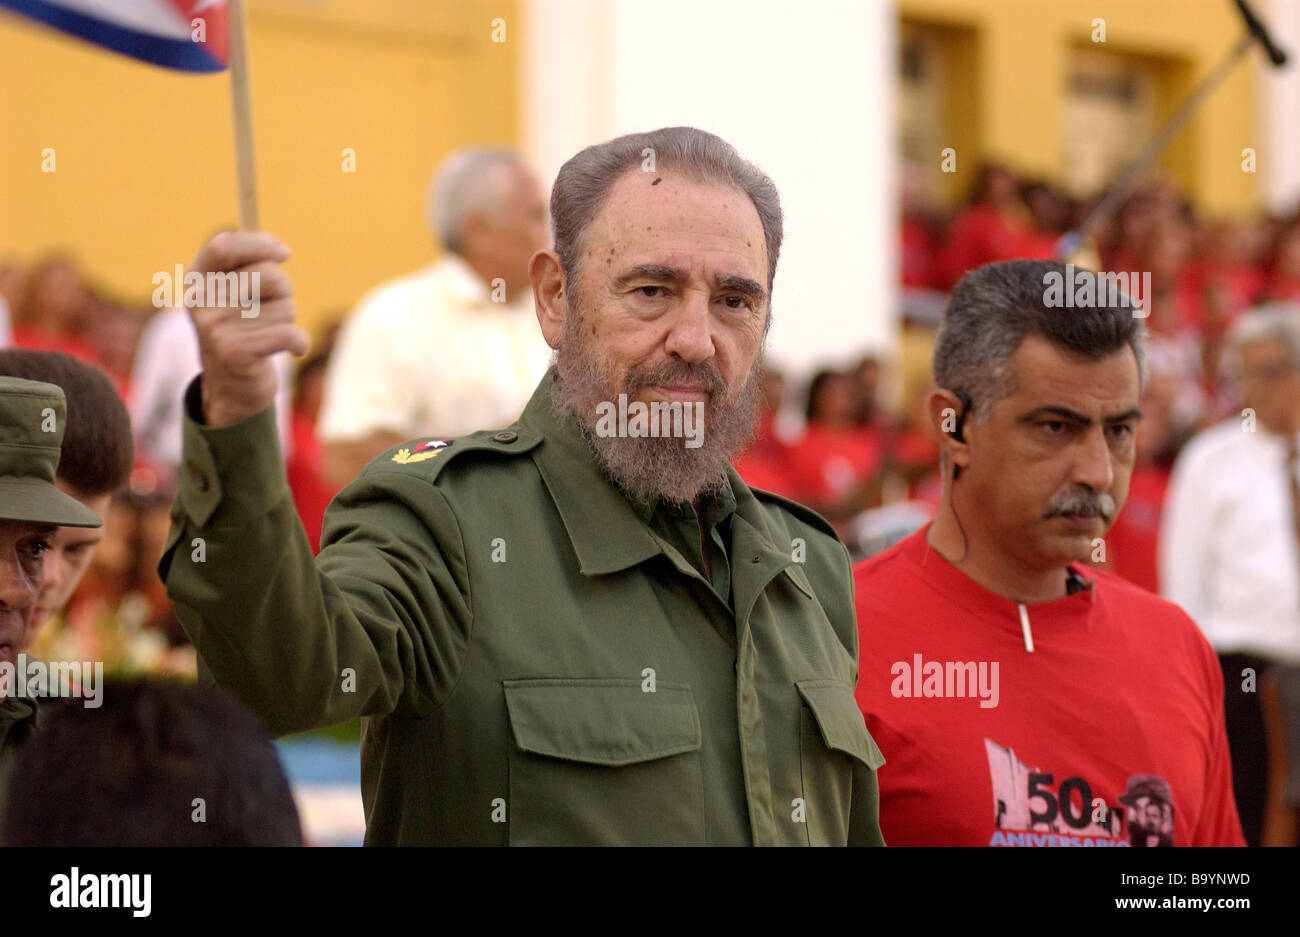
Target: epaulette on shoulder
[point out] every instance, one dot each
(430, 456)
(802, 512)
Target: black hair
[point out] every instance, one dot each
(98, 450)
(819, 381)
(159, 763)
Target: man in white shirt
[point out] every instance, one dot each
(455, 347)
(1229, 550)
(6, 330)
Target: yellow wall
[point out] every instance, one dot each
(1022, 50)
(145, 166)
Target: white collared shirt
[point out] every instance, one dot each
(430, 354)
(1228, 551)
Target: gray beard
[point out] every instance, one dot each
(646, 468)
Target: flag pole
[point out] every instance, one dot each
(242, 111)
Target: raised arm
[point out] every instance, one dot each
(303, 641)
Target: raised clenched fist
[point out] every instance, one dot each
(244, 317)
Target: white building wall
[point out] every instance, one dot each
(1279, 108)
(803, 88)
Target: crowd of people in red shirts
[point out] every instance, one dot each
(53, 306)
(849, 454)
(833, 444)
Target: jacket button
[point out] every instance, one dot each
(200, 480)
(756, 558)
(506, 436)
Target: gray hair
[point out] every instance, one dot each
(994, 307)
(1269, 322)
(468, 182)
(585, 180)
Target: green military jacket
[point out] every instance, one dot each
(533, 663)
(20, 717)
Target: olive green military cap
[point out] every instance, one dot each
(33, 415)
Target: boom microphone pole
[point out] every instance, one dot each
(1081, 238)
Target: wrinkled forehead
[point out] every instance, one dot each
(671, 213)
(1043, 371)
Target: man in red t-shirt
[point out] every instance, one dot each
(1020, 698)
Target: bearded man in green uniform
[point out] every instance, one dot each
(582, 629)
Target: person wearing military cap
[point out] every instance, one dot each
(584, 629)
(32, 508)
(1151, 810)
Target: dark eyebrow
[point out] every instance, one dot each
(1134, 414)
(1073, 415)
(738, 284)
(660, 272)
(665, 274)
(1055, 410)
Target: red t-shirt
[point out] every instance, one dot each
(1133, 540)
(828, 464)
(1282, 288)
(1040, 245)
(311, 492)
(980, 234)
(1110, 731)
(768, 469)
(917, 249)
(27, 336)
(766, 464)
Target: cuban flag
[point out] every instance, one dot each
(190, 35)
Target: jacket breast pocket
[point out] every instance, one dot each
(599, 762)
(832, 737)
